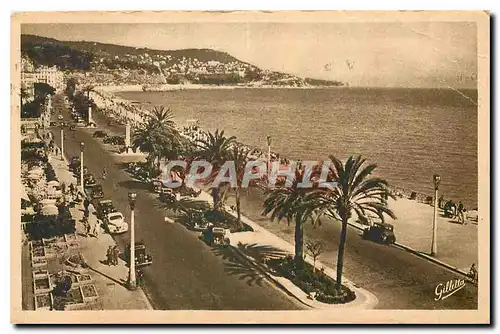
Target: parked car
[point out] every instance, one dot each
(81, 124)
(89, 180)
(142, 258)
(27, 208)
(380, 232)
(114, 223)
(103, 207)
(167, 195)
(115, 140)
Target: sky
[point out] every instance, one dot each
(385, 54)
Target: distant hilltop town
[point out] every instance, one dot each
(102, 64)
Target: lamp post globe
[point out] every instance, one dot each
(82, 145)
(436, 179)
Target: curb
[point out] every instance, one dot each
(143, 294)
(422, 255)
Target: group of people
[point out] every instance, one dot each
(453, 210)
(112, 255)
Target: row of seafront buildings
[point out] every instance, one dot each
(43, 74)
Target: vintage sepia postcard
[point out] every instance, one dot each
(250, 167)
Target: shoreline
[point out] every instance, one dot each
(180, 87)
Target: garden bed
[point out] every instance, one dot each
(70, 237)
(38, 252)
(35, 244)
(72, 301)
(89, 292)
(76, 260)
(315, 284)
(52, 250)
(44, 302)
(54, 240)
(84, 279)
(38, 262)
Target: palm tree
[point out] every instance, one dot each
(163, 117)
(214, 148)
(149, 139)
(24, 95)
(239, 155)
(295, 204)
(158, 136)
(87, 89)
(353, 191)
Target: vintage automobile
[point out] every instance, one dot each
(89, 180)
(114, 223)
(380, 232)
(142, 258)
(157, 186)
(99, 134)
(95, 192)
(27, 208)
(103, 207)
(167, 195)
(188, 191)
(215, 236)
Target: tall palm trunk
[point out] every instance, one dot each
(340, 258)
(299, 242)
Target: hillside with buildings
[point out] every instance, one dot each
(109, 64)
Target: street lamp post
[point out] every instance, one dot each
(268, 155)
(131, 283)
(436, 180)
(62, 140)
(81, 166)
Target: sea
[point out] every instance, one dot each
(410, 134)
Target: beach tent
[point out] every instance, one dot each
(49, 210)
(47, 201)
(53, 183)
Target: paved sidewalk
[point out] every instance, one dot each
(261, 237)
(109, 280)
(457, 245)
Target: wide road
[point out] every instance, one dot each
(186, 274)
(399, 279)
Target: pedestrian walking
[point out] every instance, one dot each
(116, 253)
(95, 230)
(139, 277)
(109, 255)
(86, 204)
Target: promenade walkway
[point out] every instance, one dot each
(109, 280)
(399, 279)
